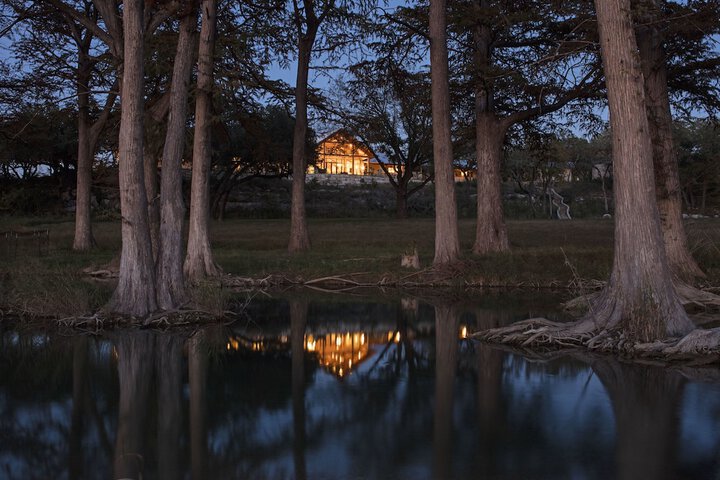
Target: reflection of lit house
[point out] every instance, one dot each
(338, 352)
(341, 353)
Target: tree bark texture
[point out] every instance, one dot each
(199, 261)
(447, 243)
(155, 128)
(667, 180)
(152, 190)
(88, 134)
(490, 231)
(299, 236)
(135, 292)
(84, 239)
(170, 280)
(639, 297)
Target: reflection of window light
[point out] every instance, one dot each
(362, 339)
(338, 341)
(397, 337)
(463, 332)
(340, 372)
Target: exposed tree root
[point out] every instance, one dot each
(694, 300)
(694, 297)
(697, 347)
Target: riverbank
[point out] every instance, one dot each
(573, 255)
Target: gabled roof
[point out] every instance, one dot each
(344, 132)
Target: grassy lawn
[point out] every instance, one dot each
(543, 252)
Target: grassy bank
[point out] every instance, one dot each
(544, 254)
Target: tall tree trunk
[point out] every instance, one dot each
(446, 347)
(447, 243)
(135, 292)
(639, 297)
(84, 239)
(155, 127)
(490, 230)
(170, 281)
(88, 135)
(667, 179)
(199, 261)
(299, 237)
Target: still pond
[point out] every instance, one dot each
(345, 387)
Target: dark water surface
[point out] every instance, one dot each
(344, 387)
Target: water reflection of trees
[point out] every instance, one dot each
(646, 403)
(422, 407)
(47, 408)
(361, 407)
(135, 370)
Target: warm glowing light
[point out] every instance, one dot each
(342, 350)
(228, 346)
(463, 332)
(340, 372)
(390, 335)
(397, 337)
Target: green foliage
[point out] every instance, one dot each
(38, 140)
(698, 148)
